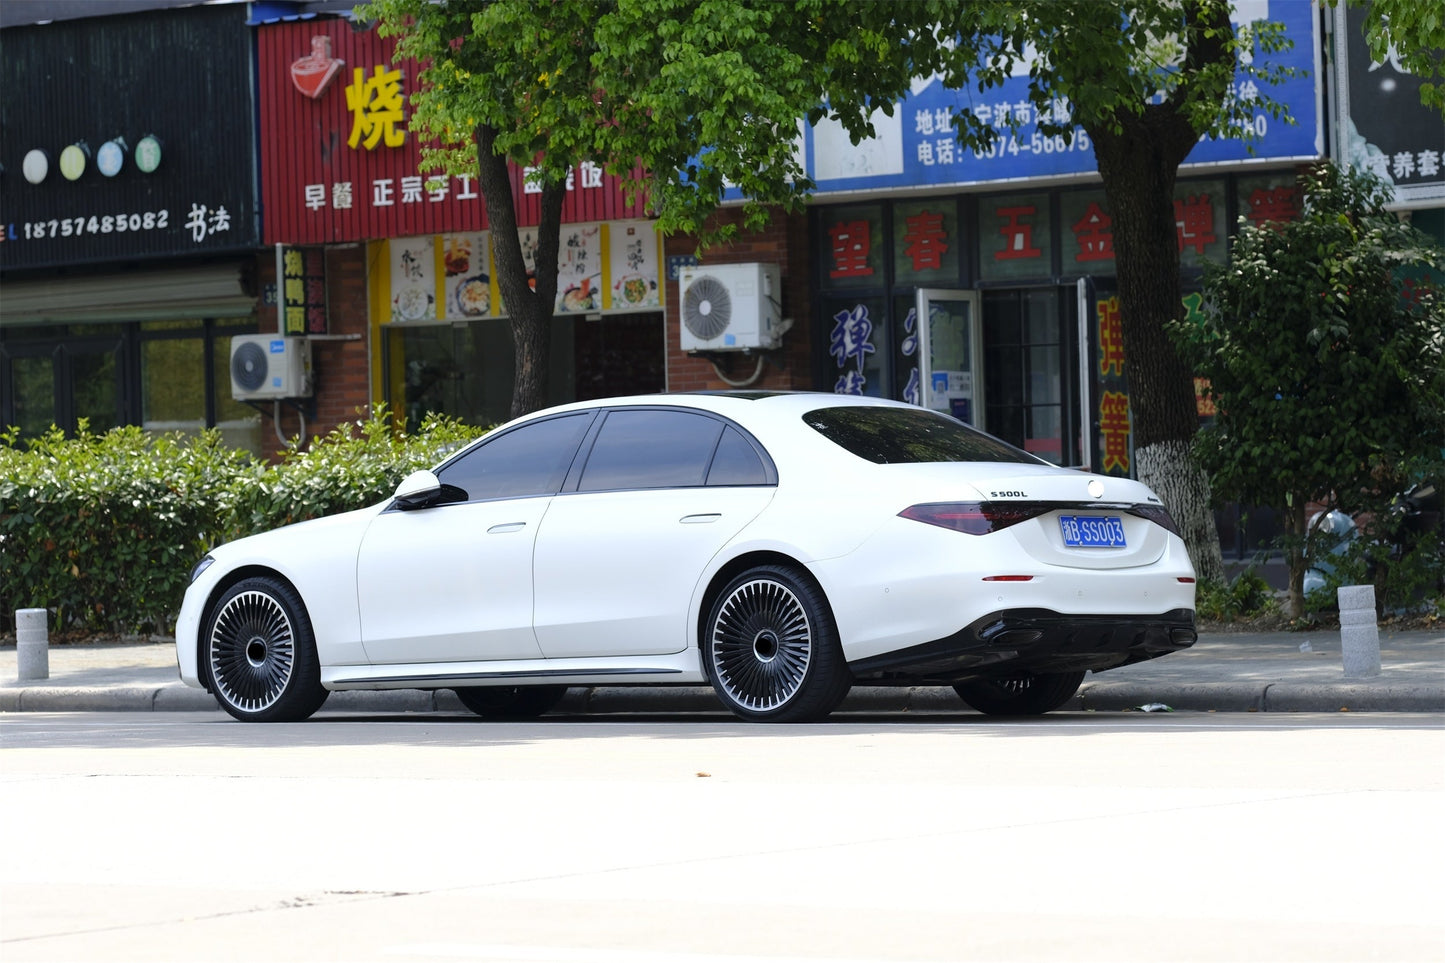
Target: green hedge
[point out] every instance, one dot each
(103, 530)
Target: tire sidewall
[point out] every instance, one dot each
(826, 680)
(303, 693)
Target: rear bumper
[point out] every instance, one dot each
(1031, 640)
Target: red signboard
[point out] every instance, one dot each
(339, 164)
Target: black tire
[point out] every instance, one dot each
(261, 653)
(1026, 694)
(770, 648)
(503, 702)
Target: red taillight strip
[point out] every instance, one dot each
(974, 518)
(1008, 578)
(1186, 580)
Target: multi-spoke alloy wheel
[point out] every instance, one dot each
(261, 654)
(771, 648)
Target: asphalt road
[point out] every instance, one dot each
(1189, 836)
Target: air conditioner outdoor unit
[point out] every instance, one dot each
(730, 307)
(265, 366)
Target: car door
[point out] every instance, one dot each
(453, 582)
(619, 556)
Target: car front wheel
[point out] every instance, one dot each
(771, 648)
(1026, 694)
(261, 653)
(511, 701)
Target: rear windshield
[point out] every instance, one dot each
(892, 436)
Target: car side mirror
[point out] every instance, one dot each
(420, 489)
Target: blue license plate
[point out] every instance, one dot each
(1092, 531)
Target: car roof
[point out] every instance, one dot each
(743, 405)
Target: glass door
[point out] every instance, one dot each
(949, 355)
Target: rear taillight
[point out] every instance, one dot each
(973, 518)
(1157, 514)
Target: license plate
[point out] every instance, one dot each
(1092, 531)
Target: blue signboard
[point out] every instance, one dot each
(917, 146)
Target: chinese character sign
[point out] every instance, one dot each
(1112, 441)
(303, 290)
(1015, 237)
(850, 343)
(926, 248)
(852, 246)
(375, 103)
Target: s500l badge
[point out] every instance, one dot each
(1008, 495)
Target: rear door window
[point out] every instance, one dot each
(651, 448)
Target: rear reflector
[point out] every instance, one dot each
(1186, 580)
(1008, 578)
(974, 518)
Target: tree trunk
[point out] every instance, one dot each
(1294, 548)
(528, 301)
(1138, 155)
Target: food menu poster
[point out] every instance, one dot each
(612, 267)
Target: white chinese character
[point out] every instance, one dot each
(467, 193)
(437, 190)
(923, 122)
(197, 222)
(571, 180)
(411, 190)
(315, 196)
(220, 220)
(1402, 165)
(984, 113)
(1249, 92)
(381, 192)
(925, 153)
(943, 120)
(1061, 110)
(1023, 112)
(943, 150)
(1428, 162)
(341, 195)
(1000, 114)
(591, 175)
(530, 183)
(1379, 164)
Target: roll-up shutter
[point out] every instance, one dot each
(210, 291)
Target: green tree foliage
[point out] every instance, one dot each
(1326, 369)
(1412, 32)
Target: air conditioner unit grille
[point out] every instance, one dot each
(249, 366)
(707, 308)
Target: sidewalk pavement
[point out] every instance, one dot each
(1224, 672)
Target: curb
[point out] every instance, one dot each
(603, 700)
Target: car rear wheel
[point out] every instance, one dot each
(1026, 694)
(261, 653)
(771, 648)
(511, 701)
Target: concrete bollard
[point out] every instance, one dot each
(32, 643)
(1359, 631)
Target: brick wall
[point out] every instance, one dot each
(784, 242)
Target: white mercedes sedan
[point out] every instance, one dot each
(781, 547)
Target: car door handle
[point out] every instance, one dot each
(506, 527)
(700, 519)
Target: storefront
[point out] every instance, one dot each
(982, 283)
(343, 192)
(130, 224)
